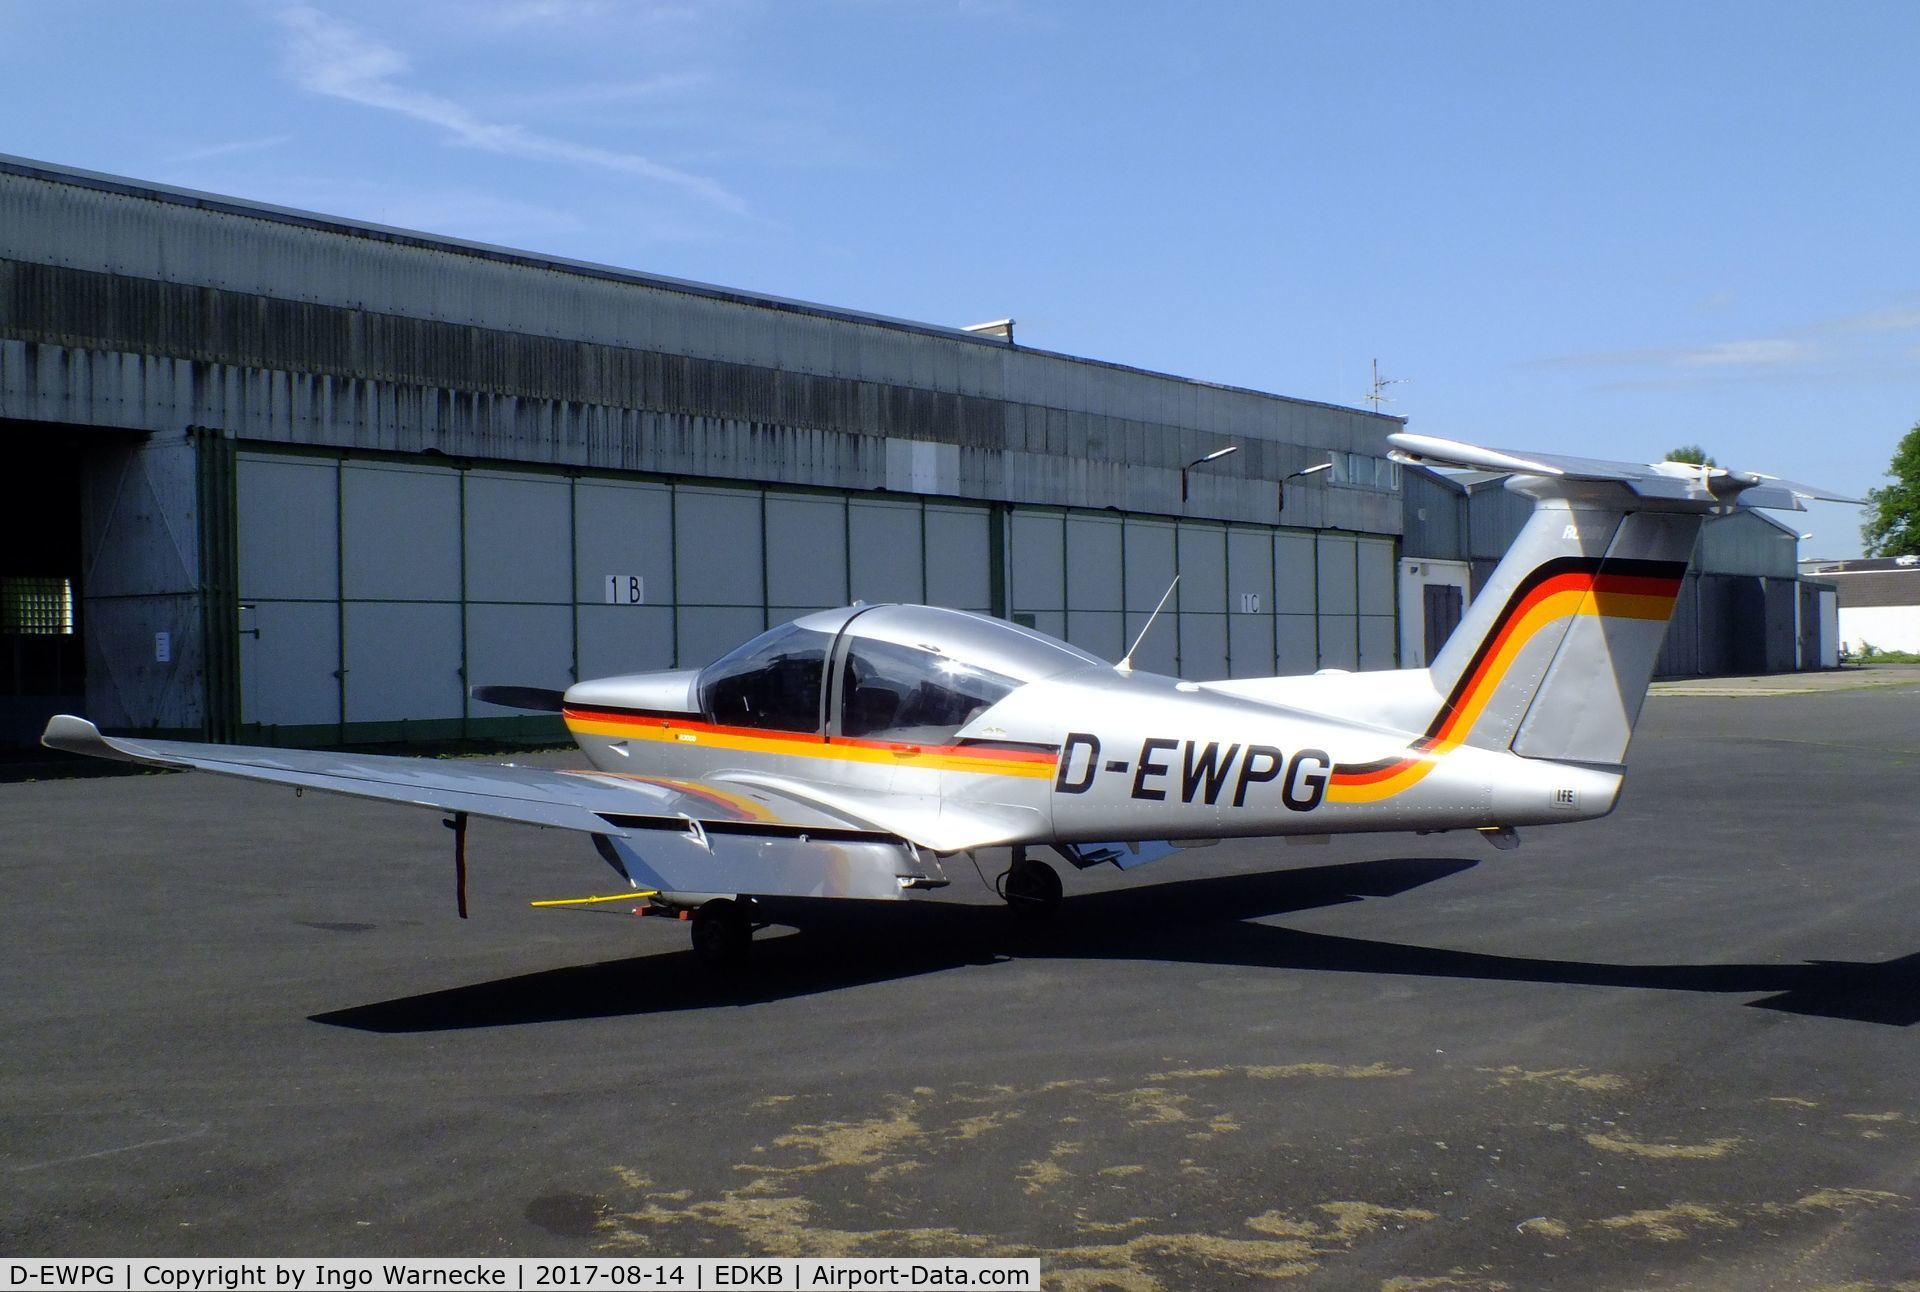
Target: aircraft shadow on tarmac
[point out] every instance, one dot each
(837, 945)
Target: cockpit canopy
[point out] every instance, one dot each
(906, 674)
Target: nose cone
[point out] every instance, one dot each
(669, 691)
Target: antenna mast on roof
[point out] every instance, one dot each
(1374, 396)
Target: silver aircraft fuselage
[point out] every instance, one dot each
(1102, 754)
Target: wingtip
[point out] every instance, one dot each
(73, 735)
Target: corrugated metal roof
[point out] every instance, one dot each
(305, 255)
(141, 306)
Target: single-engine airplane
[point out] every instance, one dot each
(853, 753)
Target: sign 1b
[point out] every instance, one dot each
(626, 590)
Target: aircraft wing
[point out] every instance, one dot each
(594, 802)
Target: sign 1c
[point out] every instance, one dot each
(626, 590)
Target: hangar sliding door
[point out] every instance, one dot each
(288, 515)
(1202, 597)
(1250, 603)
(1150, 562)
(375, 592)
(518, 586)
(623, 533)
(1095, 584)
(719, 574)
(401, 594)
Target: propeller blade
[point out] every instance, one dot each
(538, 699)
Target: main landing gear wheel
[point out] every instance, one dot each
(1032, 889)
(722, 933)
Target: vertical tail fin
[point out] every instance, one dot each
(1554, 656)
(1552, 660)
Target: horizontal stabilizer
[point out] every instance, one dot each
(1677, 482)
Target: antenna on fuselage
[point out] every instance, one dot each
(1126, 663)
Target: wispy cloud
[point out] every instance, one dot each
(1851, 343)
(1764, 352)
(604, 94)
(1756, 352)
(551, 13)
(213, 152)
(334, 58)
(520, 12)
(1892, 318)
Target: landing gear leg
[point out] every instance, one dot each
(1032, 888)
(722, 933)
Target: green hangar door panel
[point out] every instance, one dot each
(1096, 588)
(1039, 570)
(719, 570)
(1378, 636)
(623, 576)
(1336, 578)
(806, 554)
(959, 557)
(519, 583)
(1147, 554)
(401, 568)
(1202, 602)
(1250, 602)
(287, 517)
(885, 552)
(1296, 604)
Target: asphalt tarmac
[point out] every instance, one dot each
(1675, 1048)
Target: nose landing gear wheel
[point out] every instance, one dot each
(1032, 889)
(722, 933)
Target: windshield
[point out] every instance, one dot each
(772, 682)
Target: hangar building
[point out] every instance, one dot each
(282, 477)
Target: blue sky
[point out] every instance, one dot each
(1595, 229)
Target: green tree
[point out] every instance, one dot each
(1892, 526)
(1692, 453)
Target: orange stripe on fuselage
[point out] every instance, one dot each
(1032, 763)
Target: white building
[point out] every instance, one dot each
(1879, 602)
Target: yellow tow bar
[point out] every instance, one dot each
(638, 894)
